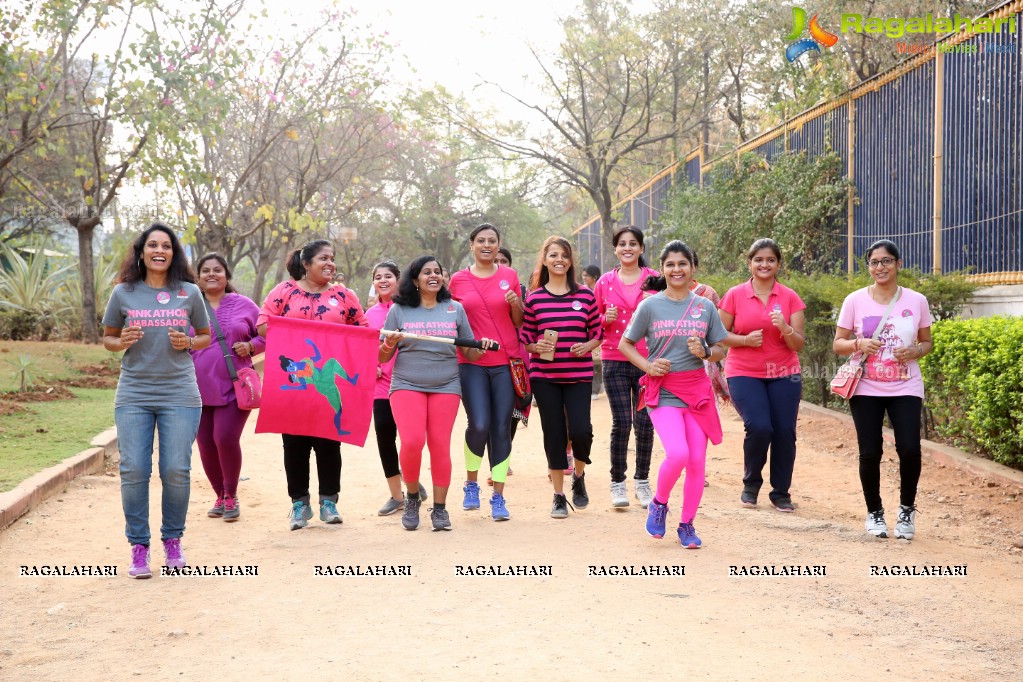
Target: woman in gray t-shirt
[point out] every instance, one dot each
(148, 317)
(682, 330)
(425, 386)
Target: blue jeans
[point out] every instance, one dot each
(177, 427)
(768, 408)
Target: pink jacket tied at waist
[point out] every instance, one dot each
(693, 387)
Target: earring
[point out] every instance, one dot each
(140, 264)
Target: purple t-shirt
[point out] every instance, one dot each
(883, 375)
(237, 317)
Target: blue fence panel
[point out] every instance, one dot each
(982, 133)
(982, 202)
(828, 132)
(893, 171)
(692, 171)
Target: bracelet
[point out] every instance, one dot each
(252, 348)
(389, 346)
(744, 339)
(792, 330)
(190, 342)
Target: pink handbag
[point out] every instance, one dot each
(248, 389)
(847, 378)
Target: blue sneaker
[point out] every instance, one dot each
(655, 518)
(688, 537)
(328, 512)
(300, 515)
(472, 495)
(498, 510)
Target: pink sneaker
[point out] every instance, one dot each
(175, 557)
(139, 562)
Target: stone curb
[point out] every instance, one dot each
(48, 482)
(943, 454)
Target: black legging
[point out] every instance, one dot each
(296, 464)
(564, 414)
(387, 436)
(868, 415)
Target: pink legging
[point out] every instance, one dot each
(437, 411)
(219, 439)
(685, 447)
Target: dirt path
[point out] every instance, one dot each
(286, 623)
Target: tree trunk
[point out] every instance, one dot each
(86, 228)
(609, 260)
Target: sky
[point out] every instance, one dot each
(459, 44)
(456, 43)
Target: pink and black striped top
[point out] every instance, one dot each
(574, 316)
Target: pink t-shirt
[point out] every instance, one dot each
(488, 311)
(376, 316)
(611, 291)
(883, 375)
(773, 359)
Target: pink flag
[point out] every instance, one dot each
(318, 380)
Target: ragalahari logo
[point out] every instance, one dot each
(818, 36)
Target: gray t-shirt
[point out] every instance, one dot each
(660, 321)
(428, 366)
(152, 372)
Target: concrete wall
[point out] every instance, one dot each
(1004, 299)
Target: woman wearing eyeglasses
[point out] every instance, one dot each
(891, 381)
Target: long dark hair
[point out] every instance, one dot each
(635, 232)
(408, 292)
(541, 276)
(299, 258)
(674, 246)
(133, 270)
(229, 289)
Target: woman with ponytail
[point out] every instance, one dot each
(311, 295)
(682, 331)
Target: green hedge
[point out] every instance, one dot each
(974, 379)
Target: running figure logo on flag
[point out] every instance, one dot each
(318, 380)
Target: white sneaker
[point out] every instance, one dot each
(906, 526)
(875, 524)
(643, 492)
(619, 495)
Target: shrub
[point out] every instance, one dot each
(795, 200)
(17, 325)
(973, 379)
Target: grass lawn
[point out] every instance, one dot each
(45, 433)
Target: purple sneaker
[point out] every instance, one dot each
(175, 557)
(655, 518)
(687, 536)
(139, 562)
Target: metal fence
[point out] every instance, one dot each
(934, 148)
